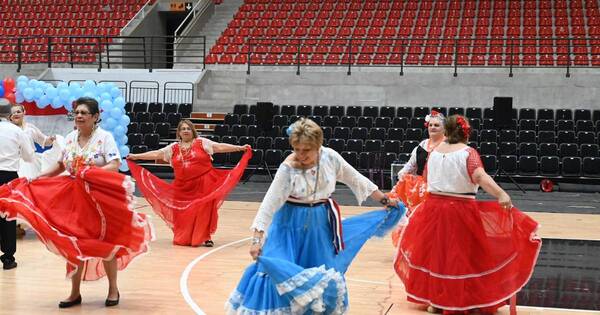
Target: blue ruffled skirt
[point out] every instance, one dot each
(298, 271)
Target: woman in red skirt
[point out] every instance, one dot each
(85, 217)
(458, 255)
(189, 204)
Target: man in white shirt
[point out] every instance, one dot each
(14, 145)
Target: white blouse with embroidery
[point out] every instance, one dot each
(298, 185)
(99, 151)
(207, 145)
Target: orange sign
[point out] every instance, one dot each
(177, 6)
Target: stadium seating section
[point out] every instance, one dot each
(541, 33)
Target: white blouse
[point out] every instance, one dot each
(35, 134)
(449, 172)
(298, 185)
(207, 145)
(411, 166)
(100, 150)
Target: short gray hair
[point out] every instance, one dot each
(5, 107)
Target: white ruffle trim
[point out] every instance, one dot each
(312, 298)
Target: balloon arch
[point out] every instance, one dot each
(113, 117)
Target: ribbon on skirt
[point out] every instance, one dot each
(335, 222)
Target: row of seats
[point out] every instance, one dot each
(422, 111)
(146, 117)
(418, 122)
(418, 134)
(477, 27)
(163, 129)
(157, 107)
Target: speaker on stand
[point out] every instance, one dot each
(503, 118)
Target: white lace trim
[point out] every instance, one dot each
(312, 298)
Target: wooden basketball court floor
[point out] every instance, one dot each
(186, 280)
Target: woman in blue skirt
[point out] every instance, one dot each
(307, 248)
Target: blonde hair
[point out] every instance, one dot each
(19, 105)
(190, 124)
(305, 130)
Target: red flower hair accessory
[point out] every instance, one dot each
(434, 114)
(464, 125)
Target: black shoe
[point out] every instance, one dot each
(208, 243)
(9, 265)
(109, 303)
(67, 304)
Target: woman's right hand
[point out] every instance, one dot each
(504, 201)
(255, 250)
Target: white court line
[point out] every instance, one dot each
(186, 273)
(190, 301)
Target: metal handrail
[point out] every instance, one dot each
(197, 10)
(140, 13)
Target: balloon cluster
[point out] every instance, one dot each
(7, 89)
(112, 104)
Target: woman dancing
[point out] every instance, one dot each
(190, 204)
(459, 255)
(307, 249)
(86, 217)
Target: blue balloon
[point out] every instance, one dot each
(22, 78)
(119, 131)
(64, 94)
(38, 92)
(56, 103)
(43, 102)
(62, 85)
(89, 85)
(119, 102)
(123, 167)
(88, 94)
(110, 123)
(125, 120)
(116, 114)
(28, 94)
(123, 139)
(115, 92)
(105, 96)
(19, 97)
(52, 92)
(69, 104)
(1, 90)
(22, 85)
(124, 150)
(106, 105)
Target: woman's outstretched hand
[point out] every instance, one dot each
(504, 201)
(132, 157)
(255, 250)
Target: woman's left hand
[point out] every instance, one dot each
(393, 202)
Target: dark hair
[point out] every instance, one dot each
(91, 104)
(454, 131)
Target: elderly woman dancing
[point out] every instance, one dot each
(302, 260)
(458, 255)
(190, 204)
(86, 217)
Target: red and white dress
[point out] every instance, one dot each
(85, 217)
(189, 205)
(459, 254)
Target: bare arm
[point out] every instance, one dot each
(488, 184)
(57, 169)
(226, 147)
(112, 166)
(150, 155)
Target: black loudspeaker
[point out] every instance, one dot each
(264, 115)
(503, 111)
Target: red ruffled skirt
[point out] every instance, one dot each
(189, 206)
(412, 190)
(459, 254)
(84, 219)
